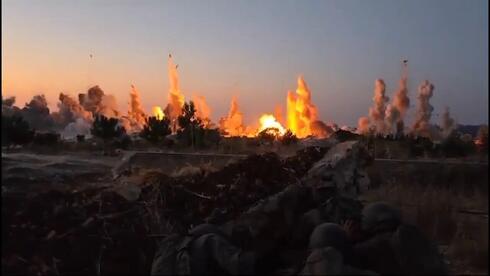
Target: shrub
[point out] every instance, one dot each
(453, 146)
(15, 130)
(80, 138)
(107, 128)
(156, 130)
(123, 142)
(46, 139)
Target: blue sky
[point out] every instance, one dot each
(253, 49)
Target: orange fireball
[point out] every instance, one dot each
(269, 121)
(158, 112)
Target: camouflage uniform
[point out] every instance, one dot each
(335, 209)
(391, 247)
(330, 248)
(205, 250)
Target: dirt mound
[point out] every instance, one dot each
(101, 231)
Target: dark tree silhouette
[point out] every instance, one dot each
(156, 130)
(191, 130)
(188, 116)
(46, 139)
(106, 128)
(80, 138)
(15, 130)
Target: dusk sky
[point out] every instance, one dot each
(252, 49)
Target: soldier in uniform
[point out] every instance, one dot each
(204, 250)
(388, 246)
(330, 253)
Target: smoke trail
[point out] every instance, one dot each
(448, 124)
(377, 112)
(421, 126)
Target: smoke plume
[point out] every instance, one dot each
(96, 102)
(320, 130)
(448, 124)
(69, 110)
(393, 119)
(399, 106)
(36, 113)
(136, 114)
(377, 112)
(203, 111)
(422, 126)
(233, 123)
(8, 107)
(78, 127)
(363, 125)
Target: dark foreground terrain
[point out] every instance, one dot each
(68, 214)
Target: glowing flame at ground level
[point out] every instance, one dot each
(158, 112)
(269, 121)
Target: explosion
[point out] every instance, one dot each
(203, 111)
(268, 121)
(300, 110)
(158, 112)
(136, 113)
(363, 125)
(448, 124)
(96, 102)
(377, 112)
(301, 118)
(175, 98)
(232, 125)
(424, 110)
(395, 112)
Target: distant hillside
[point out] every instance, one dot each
(469, 129)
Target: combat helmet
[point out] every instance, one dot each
(380, 217)
(329, 235)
